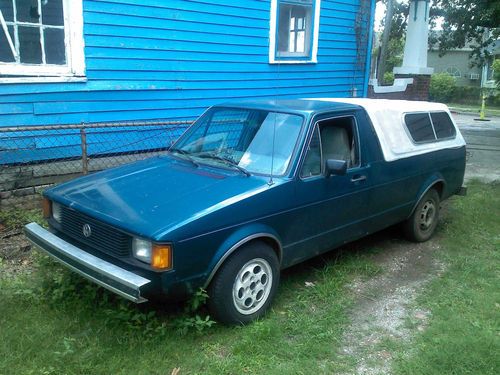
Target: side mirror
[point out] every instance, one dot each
(335, 167)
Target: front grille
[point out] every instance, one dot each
(103, 237)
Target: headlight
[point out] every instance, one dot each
(141, 249)
(158, 255)
(56, 211)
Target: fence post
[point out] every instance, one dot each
(83, 138)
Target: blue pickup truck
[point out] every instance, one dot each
(250, 189)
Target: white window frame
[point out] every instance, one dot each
(273, 59)
(73, 70)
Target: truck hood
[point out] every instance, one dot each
(156, 195)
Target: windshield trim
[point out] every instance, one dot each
(293, 156)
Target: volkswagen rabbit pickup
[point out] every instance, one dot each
(250, 189)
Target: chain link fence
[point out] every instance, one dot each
(35, 157)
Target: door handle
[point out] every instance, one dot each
(358, 178)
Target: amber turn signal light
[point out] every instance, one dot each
(161, 257)
(46, 208)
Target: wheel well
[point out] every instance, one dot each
(439, 186)
(271, 242)
(268, 240)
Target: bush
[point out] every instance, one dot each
(467, 95)
(388, 78)
(494, 99)
(442, 87)
(496, 71)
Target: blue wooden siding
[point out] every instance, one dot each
(172, 59)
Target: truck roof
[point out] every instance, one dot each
(386, 115)
(299, 106)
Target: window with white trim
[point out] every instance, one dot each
(41, 38)
(294, 31)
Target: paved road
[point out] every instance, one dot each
(483, 146)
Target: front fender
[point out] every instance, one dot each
(237, 239)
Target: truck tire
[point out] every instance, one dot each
(420, 226)
(244, 287)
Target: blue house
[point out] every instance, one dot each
(84, 62)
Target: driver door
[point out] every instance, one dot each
(332, 208)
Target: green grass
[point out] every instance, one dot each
(463, 336)
(54, 323)
(16, 218)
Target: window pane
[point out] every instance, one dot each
(442, 125)
(54, 46)
(312, 161)
(5, 51)
(301, 41)
(52, 12)
(7, 10)
(338, 140)
(283, 27)
(291, 46)
(29, 45)
(420, 127)
(27, 11)
(294, 28)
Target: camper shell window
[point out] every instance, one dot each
(426, 127)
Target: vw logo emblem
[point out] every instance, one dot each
(87, 231)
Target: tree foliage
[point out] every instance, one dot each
(472, 23)
(475, 24)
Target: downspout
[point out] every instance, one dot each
(369, 49)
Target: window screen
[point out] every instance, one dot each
(420, 127)
(443, 125)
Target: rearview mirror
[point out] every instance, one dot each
(335, 167)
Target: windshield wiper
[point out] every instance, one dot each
(225, 160)
(185, 153)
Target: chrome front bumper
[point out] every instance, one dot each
(125, 283)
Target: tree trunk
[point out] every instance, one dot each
(385, 40)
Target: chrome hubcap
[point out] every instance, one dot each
(427, 215)
(252, 286)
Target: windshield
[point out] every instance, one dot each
(243, 138)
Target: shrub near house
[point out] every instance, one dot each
(442, 87)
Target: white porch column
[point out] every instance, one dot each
(417, 34)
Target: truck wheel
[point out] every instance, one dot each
(244, 287)
(422, 223)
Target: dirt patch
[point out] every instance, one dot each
(15, 254)
(385, 303)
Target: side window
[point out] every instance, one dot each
(443, 125)
(420, 127)
(312, 161)
(339, 140)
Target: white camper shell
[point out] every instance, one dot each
(390, 119)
